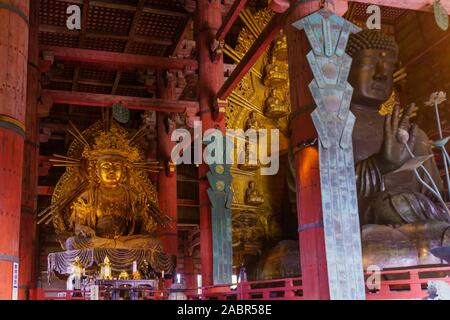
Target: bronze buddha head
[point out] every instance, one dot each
(375, 57)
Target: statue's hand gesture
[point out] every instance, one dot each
(84, 231)
(398, 131)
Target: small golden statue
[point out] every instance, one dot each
(276, 73)
(77, 267)
(276, 105)
(252, 122)
(124, 276)
(105, 199)
(252, 195)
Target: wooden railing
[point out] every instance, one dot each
(280, 289)
(395, 284)
(408, 283)
(145, 294)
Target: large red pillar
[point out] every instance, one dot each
(27, 246)
(167, 181)
(13, 83)
(309, 198)
(210, 79)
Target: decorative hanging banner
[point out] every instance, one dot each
(221, 197)
(441, 15)
(120, 113)
(328, 35)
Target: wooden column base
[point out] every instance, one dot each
(11, 157)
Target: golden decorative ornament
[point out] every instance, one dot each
(220, 185)
(124, 276)
(220, 169)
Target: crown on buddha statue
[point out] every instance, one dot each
(112, 142)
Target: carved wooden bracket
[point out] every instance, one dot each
(219, 109)
(45, 104)
(169, 167)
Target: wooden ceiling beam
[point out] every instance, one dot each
(119, 60)
(114, 4)
(106, 35)
(418, 5)
(182, 35)
(253, 54)
(131, 35)
(229, 20)
(104, 100)
(147, 9)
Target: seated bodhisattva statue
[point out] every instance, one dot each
(114, 204)
(252, 195)
(395, 202)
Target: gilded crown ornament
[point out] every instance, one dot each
(113, 142)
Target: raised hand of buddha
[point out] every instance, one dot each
(393, 153)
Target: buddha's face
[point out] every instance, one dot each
(110, 170)
(372, 77)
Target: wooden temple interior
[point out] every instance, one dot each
(168, 64)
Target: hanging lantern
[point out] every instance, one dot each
(77, 272)
(441, 15)
(121, 113)
(105, 269)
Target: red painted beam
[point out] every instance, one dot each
(45, 190)
(105, 100)
(187, 203)
(418, 5)
(118, 60)
(231, 17)
(253, 54)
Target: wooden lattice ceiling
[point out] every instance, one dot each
(144, 27)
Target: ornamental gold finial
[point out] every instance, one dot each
(112, 142)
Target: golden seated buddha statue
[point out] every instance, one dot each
(252, 122)
(276, 106)
(105, 199)
(276, 74)
(252, 195)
